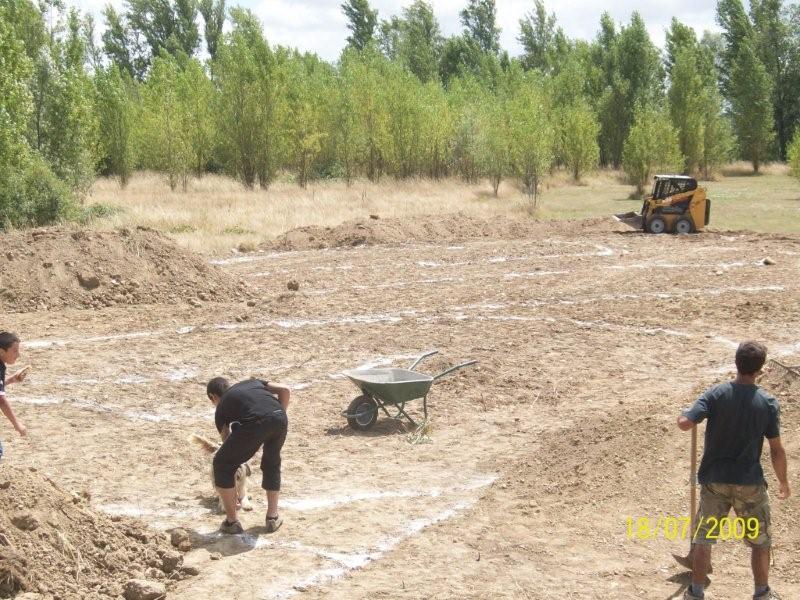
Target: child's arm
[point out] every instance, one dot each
(9, 413)
(19, 376)
(282, 391)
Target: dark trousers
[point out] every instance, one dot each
(242, 445)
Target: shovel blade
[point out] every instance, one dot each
(631, 219)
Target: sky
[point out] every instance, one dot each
(320, 26)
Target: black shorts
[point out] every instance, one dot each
(242, 444)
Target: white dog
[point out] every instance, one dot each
(242, 473)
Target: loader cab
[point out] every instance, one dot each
(665, 186)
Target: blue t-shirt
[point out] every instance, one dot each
(739, 418)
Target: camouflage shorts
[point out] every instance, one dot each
(747, 501)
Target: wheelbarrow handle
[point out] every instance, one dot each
(451, 369)
(421, 358)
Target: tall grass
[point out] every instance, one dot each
(217, 214)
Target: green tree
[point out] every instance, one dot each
(197, 94)
(686, 103)
(213, 12)
(362, 21)
(776, 47)
(544, 45)
(124, 47)
(64, 126)
(29, 192)
(736, 30)
(630, 74)
(164, 133)
(751, 106)
(794, 155)
(578, 132)
(251, 103)
(494, 144)
(305, 130)
(479, 18)
(679, 37)
(414, 40)
(718, 140)
(651, 146)
(532, 136)
(116, 112)
(170, 25)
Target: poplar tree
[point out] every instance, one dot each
(362, 21)
(751, 106)
(651, 146)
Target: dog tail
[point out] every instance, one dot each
(208, 446)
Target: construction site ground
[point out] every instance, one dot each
(590, 341)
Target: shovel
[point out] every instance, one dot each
(686, 561)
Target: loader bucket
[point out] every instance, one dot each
(631, 219)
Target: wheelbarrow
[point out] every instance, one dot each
(387, 389)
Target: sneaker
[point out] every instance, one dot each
(688, 595)
(274, 523)
(232, 528)
(770, 594)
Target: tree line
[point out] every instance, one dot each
(187, 87)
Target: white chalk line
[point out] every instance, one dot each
(398, 316)
(345, 562)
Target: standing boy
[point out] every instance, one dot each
(740, 415)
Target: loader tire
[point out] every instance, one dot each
(656, 225)
(684, 225)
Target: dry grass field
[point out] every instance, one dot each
(218, 214)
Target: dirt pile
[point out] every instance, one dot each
(52, 543)
(60, 267)
(432, 228)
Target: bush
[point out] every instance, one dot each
(32, 195)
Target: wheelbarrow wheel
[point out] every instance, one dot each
(362, 413)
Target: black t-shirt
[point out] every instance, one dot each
(739, 418)
(2, 378)
(245, 402)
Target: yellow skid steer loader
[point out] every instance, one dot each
(677, 205)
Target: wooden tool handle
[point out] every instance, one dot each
(693, 480)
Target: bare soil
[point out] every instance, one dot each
(54, 544)
(590, 341)
(56, 267)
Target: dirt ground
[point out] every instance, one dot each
(590, 340)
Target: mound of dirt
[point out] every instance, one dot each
(60, 267)
(53, 544)
(434, 228)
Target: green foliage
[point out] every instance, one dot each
(493, 146)
(250, 104)
(545, 46)
(415, 40)
(686, 98)
(213, 12)
(631, 75)
(116, 111)
(751, 106)
(165, 123)
(532, 136)
(305, 124)
(794, 155)
(577, 143)
(652, 145)
(479, 18)
(362, 21)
